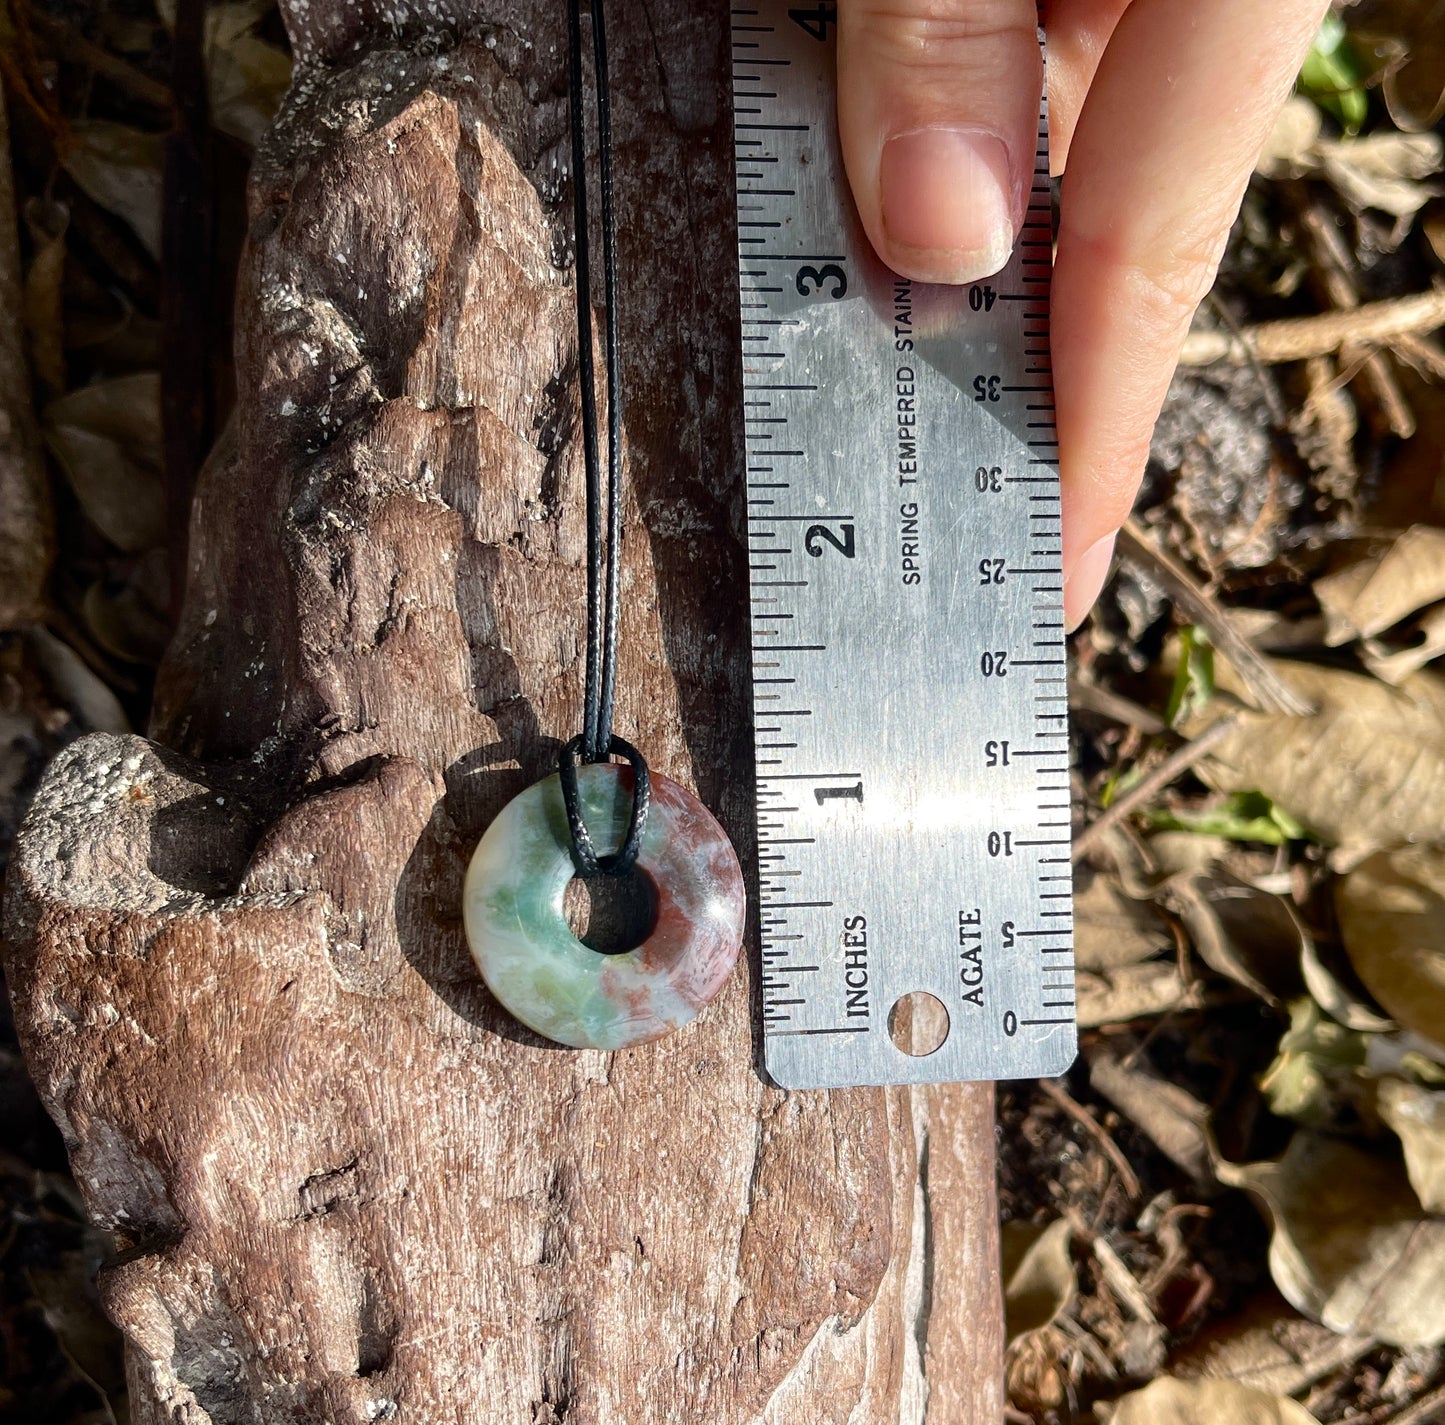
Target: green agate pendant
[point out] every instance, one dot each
(513, 899)
(543, 974)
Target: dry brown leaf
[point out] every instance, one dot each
(1270, 1347)
(1333, 986)
(1351, 1246)
(1366, 771)
(1289, 150)
(21, 756)
(1386, 171)
(1132, 992)
(1110, 929)
(1408, 43)
(1389, 171)
(1423, 642)
(1418, 1115)
(1178, 853)
(246, 77)
(74, 685)
(1434, 227)
(107, 436)
(63, 1286)
(1243, 933)
(121, 168)
(1170, 1401)
(1375, 594)
(1132, 867)
(127, 616)
(1372, 596)
(1391, 911)
(46, 222)
(1403, 1053)
(1038, 1275)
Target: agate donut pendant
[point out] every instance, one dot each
(543, 974)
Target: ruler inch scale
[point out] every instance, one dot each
(910, 707)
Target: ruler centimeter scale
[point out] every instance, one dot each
(910, 710)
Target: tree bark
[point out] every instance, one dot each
(344, 1184)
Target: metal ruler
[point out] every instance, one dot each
(909, 680)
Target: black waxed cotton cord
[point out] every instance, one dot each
(584, 854)
(596, 742)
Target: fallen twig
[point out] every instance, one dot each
(1422, 355)
(1125, 1285)
(1115, 1154)
(1427, 1408)
(1335, 279)
(1296, 338)
(1425, 1411)
(66, 42)
(1139, 795)
(1268, 689)
(1090, 697)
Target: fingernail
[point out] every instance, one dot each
(946, 203)
(1084, 581)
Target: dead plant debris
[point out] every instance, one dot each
(1260, 898)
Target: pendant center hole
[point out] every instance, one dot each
(610, 914)
(918, 1023)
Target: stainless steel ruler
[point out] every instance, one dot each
(909, 681)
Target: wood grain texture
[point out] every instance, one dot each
(345, 1185)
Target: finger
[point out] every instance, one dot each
(1078, 32)
(1179, 108)
(937, 112)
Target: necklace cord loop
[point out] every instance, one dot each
(596, 742)
(584, 854)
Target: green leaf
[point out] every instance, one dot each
(1193, 679)
(1315, 1066)
(1241, 816)
(1332, 75)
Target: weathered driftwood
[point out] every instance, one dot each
(345, 1186)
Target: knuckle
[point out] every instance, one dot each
(1176, 276)
(934, 32)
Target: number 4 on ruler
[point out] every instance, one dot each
(815, 20)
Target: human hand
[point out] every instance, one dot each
(1159, 109)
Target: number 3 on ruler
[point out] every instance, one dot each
(829, 272)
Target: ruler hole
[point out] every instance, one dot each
(610, 914)
(918, 1023)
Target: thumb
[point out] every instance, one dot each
(938, 104)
